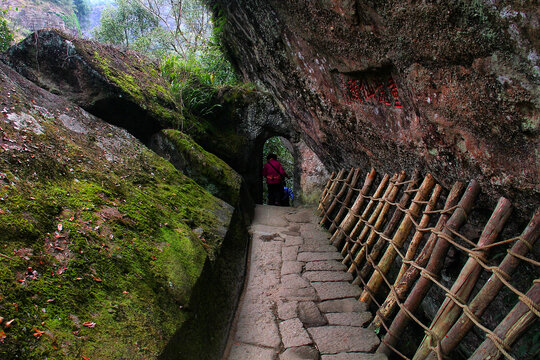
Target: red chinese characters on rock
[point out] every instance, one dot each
(363, 90)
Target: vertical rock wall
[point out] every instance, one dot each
(449, 87)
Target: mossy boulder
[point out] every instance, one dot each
(121, 87)
(101, 240)
(205, 168)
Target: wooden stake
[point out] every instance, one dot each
(346, 185)
(332, 191)
(492, 287)
(513, 325)
(399, 238)
(407, 280)
(419, 234)
(388, 231)
(349, 220)
(361, 225)
(465, 282)
(348, 198)
(434, 266)
(325, 191)
(379, 222)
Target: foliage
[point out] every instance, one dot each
(71, 21)
(187, 22)
(81, 9)
(180, 32)
(194, 80)
(125, 24)
(6, 36)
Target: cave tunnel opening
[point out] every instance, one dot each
(286, 155)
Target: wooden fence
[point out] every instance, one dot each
(395, 234)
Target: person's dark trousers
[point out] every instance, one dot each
(275, 193)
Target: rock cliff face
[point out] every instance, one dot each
(450, 87)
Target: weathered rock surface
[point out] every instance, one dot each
(103, 238)
(121, 87)
(205, 168)
(336, 339)
(450, 87)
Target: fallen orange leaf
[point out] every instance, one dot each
(38, 333)
(2, 336)
(89, 324)
(85, 357)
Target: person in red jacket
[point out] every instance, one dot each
(275, 177)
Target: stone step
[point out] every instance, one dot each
(303, 294)
(319, 256)
(291, 267)
(293, 333)
(342, 305)
(339, 339)
(349, 319)
(300, 353)
(293, 240)
(354, 356)
(240, 351)
(310, 315)
(327, 276)
(335, 290)
(289, 253)
(329, 265)
(317, 248)
(294, 281)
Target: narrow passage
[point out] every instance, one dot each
(298, 302)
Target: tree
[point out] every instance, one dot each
(6, 36)
(125, 24)
(81, 9)
(188, 23)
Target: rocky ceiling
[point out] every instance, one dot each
(451, 88)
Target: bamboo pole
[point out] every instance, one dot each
(325, 191)
(375, 237)
(419, 234)
(407, 280)
(433, 267)
(348, 197)
(360, 220)
(513, 325)
(330, 195)
(346, 185)
(388, 231)
(361, 225)
(466, 280)
(492, 287)
(349, 220)
(399, 238)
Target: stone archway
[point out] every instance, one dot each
(287, 156)
(244, 122)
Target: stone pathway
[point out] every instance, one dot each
(298, 302)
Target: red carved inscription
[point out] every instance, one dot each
(373, 90)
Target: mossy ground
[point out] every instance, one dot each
(98, 257)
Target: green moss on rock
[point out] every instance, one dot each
(205, 168)
(101, 239)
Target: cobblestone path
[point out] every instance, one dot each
(298, 302)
